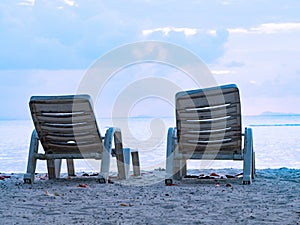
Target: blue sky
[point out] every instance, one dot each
(48, 45)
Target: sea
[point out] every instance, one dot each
(276, 143)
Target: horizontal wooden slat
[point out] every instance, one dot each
(70, 134)
(69, 156)
(61, 108)
(67, 128)
(210, 141)
(211, 120)
(208, 113)
(67, 143)
(210, 131)
(88, 137)
(203, 93)
(223, 155)
(72, 143)
(233, 147)
(210, 136)
(223, 142)
(83, 148)
(65, 119)
(224, 89)
(207, 125)
(206, 100)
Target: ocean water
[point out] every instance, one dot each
(276, 143)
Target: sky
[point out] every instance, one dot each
(47, 47)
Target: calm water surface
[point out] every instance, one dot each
(276, 143)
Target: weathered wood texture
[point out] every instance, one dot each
(209, 120)
(66, 125)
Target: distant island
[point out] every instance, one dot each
(269, 113)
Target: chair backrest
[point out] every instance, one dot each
(209, 121)
(66, 124)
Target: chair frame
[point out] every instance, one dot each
(205, 103)
(104, 151)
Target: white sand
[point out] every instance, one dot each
(273, 198)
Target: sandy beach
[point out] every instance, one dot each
(273, 198)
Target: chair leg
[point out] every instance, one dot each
(248, 156)
(253, 165)
(31, 165)
(71, 168)
(122, 155)
(57, 167)
(120, 164)
(184, 168)
(136, 163)
(170, 156)
(177, 169)
(51, 169)
(126, 153)
(170, 169)
(105, 162)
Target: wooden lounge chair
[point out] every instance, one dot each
(67, 129)
(209, 127)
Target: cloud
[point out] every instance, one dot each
(59, 34)
(235, 64)
(69, 34)
(265, 61)
(27, 2)
(207, 44)
(167, 30)
(222, 72)
(254, 44)
(71, 3)
(268, 28)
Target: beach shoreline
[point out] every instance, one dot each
(273, 198)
